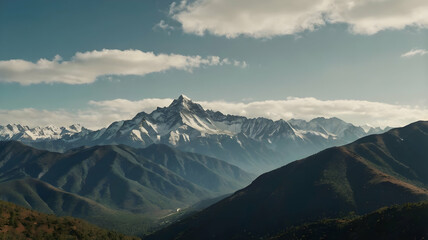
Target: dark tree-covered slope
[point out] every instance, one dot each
(373, 172)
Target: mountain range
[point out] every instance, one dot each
(22, 133)
(144, 170)
(112, 181)
(254, 144)
(370, 173)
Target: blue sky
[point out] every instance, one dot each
(330, 55)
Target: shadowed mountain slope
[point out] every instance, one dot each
(373, 172)
(407, 221)
(112, 180)
(122, 177)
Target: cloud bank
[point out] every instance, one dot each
(84, 68)
(96, 115)
(101, 113)
(268, 18)
(354, 111)
(414, 52)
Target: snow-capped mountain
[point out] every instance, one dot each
(26, 134)
(329, 128)
(253, 144)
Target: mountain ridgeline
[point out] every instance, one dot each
(370, 173)
(110, 182)
(253, 144)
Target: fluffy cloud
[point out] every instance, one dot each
(354, 111)
(85, 67)
(129, 108)
(414, 52)
(34, 117)
(261, 19)
(101, 113)
(96, 115)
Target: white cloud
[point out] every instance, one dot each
(130, 108)
(162, 25)
(354, 111)
(101, 113)
(96, 115)
(85, 67)
(34, 117)
(414, 52)
(264, 19)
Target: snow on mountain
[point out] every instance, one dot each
(329, 128)
(253, 144)
(26, 134)
(185, 121)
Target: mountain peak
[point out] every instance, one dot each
(184, 97)
(185, 103)
(182, 100)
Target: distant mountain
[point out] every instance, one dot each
(33, 193)
(253, 144)
(22, 133)
(20, 223)
(41, 196)
(370, 173)
(332, 127)
(374, 130)
(152, 181)
(407, 221)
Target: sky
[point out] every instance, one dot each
(94, 62)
